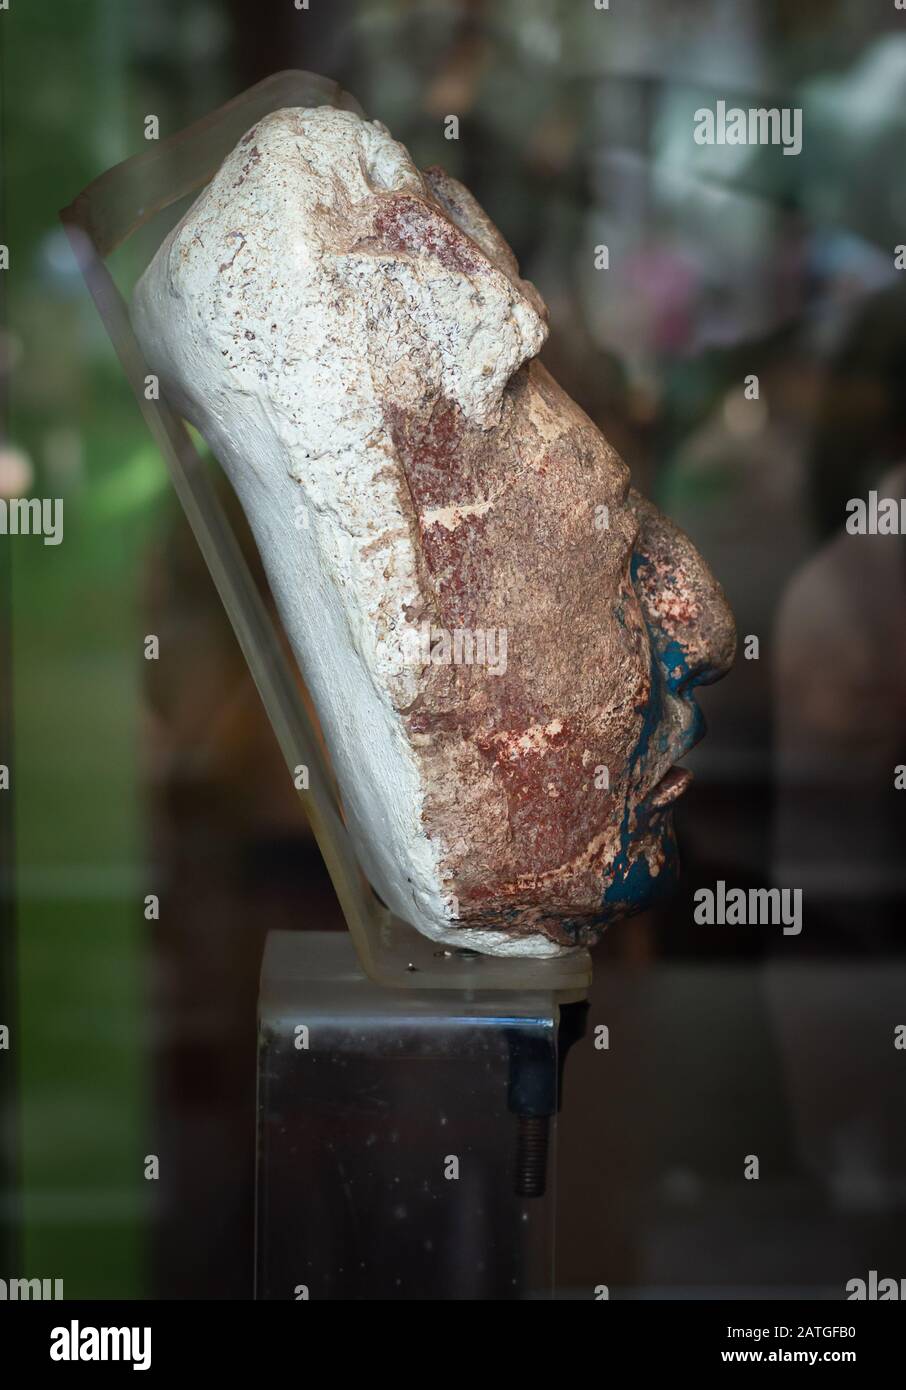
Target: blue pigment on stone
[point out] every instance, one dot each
(632, 885)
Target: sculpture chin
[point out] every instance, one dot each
(647, 871)
(644, 874)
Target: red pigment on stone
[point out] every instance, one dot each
(408, 224)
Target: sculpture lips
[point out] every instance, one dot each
(670, 788)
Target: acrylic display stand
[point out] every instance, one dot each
(405, 1143)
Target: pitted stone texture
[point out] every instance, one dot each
(352, 338)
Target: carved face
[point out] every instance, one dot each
(691, 641)
(564, 760)
(501, 639)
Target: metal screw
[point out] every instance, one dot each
(531, 1155)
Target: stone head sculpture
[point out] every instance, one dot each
(501, 638)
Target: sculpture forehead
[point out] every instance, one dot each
(294, 188)
(323, 179)
(319, 238)
(304, 180)
(320, 150)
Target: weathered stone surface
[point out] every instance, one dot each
(499, 637)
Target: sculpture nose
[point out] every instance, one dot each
(690, 621)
